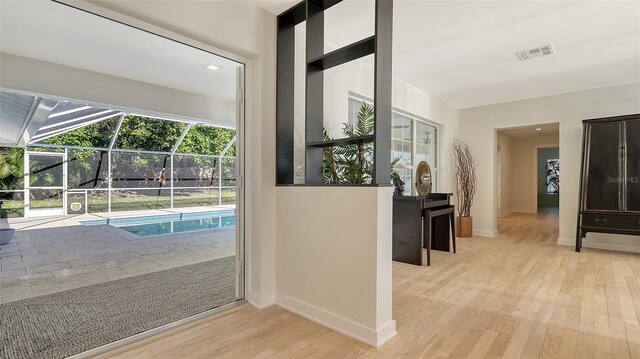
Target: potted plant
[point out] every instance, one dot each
(351, 164)
(466, 186)
(6, 234)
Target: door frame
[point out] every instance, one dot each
(28, 212)
(245, 183)
(535, 172)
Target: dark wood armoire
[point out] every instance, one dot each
(610, 177)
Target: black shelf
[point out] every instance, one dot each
(294, 15)
(379, 45)
(335, 184)
(325, 4)
(345, 54)
(343, 141)
(298, 13)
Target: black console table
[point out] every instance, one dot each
(419, 221)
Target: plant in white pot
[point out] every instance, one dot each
(466, 186)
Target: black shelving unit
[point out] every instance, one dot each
(380, 45)
(342, 142)
(348, 53)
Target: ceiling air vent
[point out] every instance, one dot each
(537, 52)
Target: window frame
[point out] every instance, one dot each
(414, 120)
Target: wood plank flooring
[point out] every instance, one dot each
(515, 296)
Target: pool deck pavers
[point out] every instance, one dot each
(52, 254)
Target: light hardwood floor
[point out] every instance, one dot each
(515, 296)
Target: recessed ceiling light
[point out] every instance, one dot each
(539, 129)
(212, 67)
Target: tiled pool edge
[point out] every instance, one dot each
(157, 218)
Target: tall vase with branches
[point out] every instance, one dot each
(466, 166)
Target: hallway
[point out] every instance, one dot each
(516, 295)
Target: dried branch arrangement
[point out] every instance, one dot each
(465, 176)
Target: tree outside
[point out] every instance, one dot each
(88, 169)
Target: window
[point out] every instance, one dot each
(402, 138)
(412, 141)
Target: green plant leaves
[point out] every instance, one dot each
(351, 164)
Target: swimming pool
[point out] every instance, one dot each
(170, 223)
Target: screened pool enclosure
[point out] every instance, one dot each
(86, 159)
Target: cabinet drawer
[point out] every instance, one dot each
(611, 221)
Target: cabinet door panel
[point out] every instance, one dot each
(603, 171)
(632, 160)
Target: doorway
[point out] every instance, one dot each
(45, 183)
(527, 170)
(137, 188)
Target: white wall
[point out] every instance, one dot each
(334, 258)
(46, 78)
(478, 126)
(505, 143)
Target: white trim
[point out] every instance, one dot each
(244, 130)
(600, 245)
(259, 302)
(482, 233)
(385, 333)
(505, 213)
(566, 241)
(375, 338)
(535, 172)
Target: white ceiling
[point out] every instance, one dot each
(463, 52)
(51, 32)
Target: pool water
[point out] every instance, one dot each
(174, 223)
(154, 229)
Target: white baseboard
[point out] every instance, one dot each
(504, 214)
(261, 302)
(600, 245)
(385, 333)
(612, 246)
(482, 233)
(375, 338)
(563, 241)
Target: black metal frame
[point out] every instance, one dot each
(380, 45)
